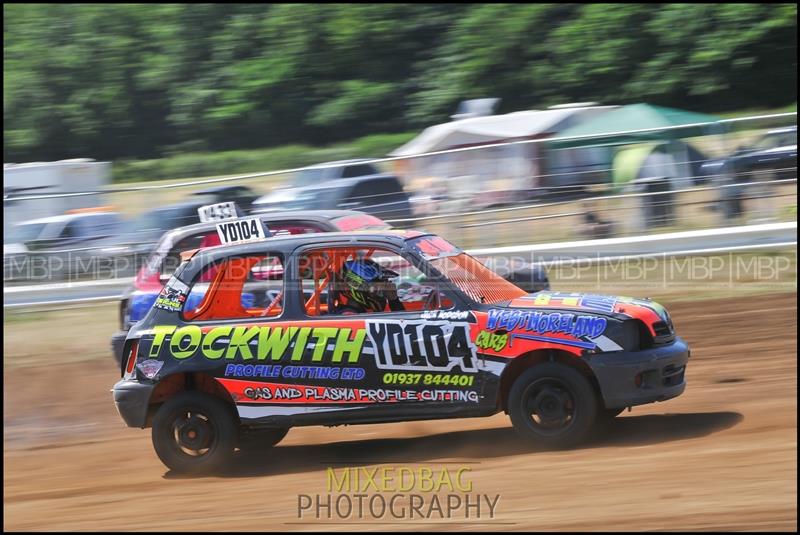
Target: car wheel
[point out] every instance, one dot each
(261, 439)
(552, 405)
(195, 432)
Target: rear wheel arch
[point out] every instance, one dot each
(175, 383)
(533, 358)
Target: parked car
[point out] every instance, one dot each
(213, 373)
(165, 257)
(774, 153)
(379, 194)
(59, 244)
(772, 156)
(325, 172)
(127, 250)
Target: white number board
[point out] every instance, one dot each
(241, 230)
(217, 212)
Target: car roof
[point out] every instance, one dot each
(398, 236)
(271, 217)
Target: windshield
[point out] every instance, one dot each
(26, 232)
(478, 282)
(308, 177)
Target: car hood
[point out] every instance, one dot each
(646, 310)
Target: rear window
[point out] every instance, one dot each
(242, 287)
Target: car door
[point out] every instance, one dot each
(416, 362)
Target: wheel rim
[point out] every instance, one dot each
(194, 434)
(549, 406)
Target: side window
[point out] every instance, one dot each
(348, 281)
(241, 287)
(173, 258)
(358, 170)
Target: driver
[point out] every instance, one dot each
(364, 286)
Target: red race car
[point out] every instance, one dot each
(340, 342)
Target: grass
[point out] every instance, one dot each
(34, 338)
(210, 164)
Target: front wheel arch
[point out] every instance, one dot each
(533, 358)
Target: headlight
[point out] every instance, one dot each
(626, 334)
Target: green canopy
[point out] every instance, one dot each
(636, 117)
(628, 161)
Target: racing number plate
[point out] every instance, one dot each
(217, 212)
(241, 230)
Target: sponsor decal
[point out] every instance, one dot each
(444, 315)
(150, 367)
(401, 378)
(243, 391)
(294, 372)
(600, 303)
(576, 325)
(172, 296)
(273, 343)
(411, 345)
(489, 340)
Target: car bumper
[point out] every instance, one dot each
(640, 377)
(117, 345)
(132, 400)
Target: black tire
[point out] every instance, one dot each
(552, 405)
(194, 432)
(261, 439)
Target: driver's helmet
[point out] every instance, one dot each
(365, 284)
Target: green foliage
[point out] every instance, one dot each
(200, 164)
(138, 81)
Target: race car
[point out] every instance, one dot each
(165, 257)
(340, 344)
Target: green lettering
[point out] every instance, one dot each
(240, 342)
(323, 334)
(274, 341)
(345, 345)
(212, 336)
(300, 343)
(181, 350)
(159, 333)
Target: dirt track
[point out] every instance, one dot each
(720, 457)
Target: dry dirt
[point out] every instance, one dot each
(723, 456)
